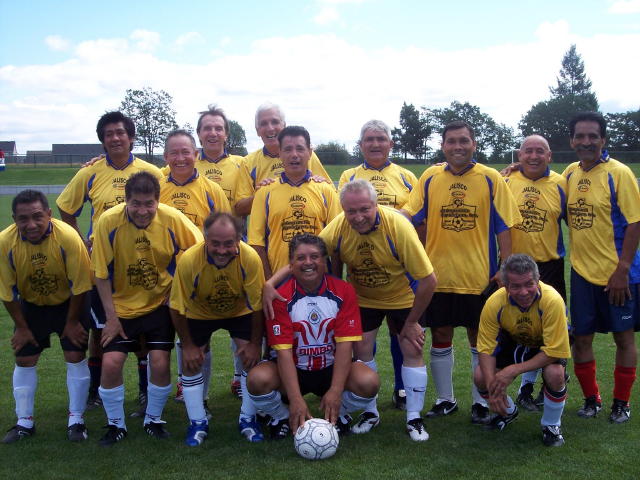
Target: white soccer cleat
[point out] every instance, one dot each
(416, 430)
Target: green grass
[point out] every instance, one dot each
(456, 448)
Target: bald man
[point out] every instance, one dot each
(541, 197)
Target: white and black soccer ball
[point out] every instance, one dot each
(317, 439)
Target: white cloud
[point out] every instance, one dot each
(625, 6)
(224, 41)
(57, 43)
(326, 15)
(145, 40)
(344, 86)
(189, 38)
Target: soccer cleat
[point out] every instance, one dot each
(416, 430)
(539, 400)
(480, 414)
(94, 400)
(179, 395)
(525, 398)
(250, 429)
(620, 411)
(196, 433)
(206, 410)
(18, 432)
(442, 409)
(399, 399)
(279, 430)
(365, 423)
(552, 436)
(114, 435)
(236, 389)
(77, 432)
(156, 430)
(499, 422)
(590, 408)
(343, 425)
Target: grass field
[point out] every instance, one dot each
(457, 449)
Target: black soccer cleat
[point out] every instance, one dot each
(18, 432)
(279, 430)
(343, 425)
(156, 430)
(620, 411)
(590, 408)
(552, 436)
(77, 432)
(442, 409)
(399, 399)
(114, 435)
(499, 422)
(480, 414)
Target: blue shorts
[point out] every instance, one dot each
(591, 311)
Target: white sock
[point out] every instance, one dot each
(442, 372)
(192, 391)
(206, 374)
(78, 380)
(529, 377)
(25, 381)
(237, 363)
(271, 403)
(352, 402)
(415, 385)
(511, 407)
(477, 398)
(553, 407)
(178, 357)
(156, 399)
(248, 408)
(113, 402)
(373, 403)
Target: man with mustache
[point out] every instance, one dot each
(603, 215)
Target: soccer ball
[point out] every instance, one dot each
(317, 439)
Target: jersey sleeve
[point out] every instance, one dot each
(333, 203)
(180, 285)
(254, 279)
(628, 196)
(220, 200)
(410, 251)
(316, 167)
(102, 248)
(329, 234)
(348, 325)
(258, 221)
(415, 206)
(505, 205)
(186, 233)
(75, 193)
(344, 178)
(77, 263)
(554, 328)
(165, 171)
(244, 182)
(8, 277)
(280, 328)
(489, 327)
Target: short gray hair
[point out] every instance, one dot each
(269, 106)
(359, 185)
(377, 125)
(520, 264)
(179, 132)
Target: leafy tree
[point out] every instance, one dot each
(333, 153)
(550, 118)
(237, 139)
(493, 139)
(623, 130)
(153, 114)
(414, 132)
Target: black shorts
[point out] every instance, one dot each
(153, 331)
(455, 310)
(98, 317)
(552, 273)
(372, 318)
(508, 352)
(43, 320)
(238, 327)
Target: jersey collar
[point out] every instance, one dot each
(43, 238)
(464, 170)
(305, 179)
(546, 173)
(604, 158)
(268, 154)
(203, 156)
(129, 161)
(367, 166)
(189, 180)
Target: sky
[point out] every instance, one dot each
(330, 64)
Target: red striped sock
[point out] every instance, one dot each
(623, 378)
(586, 373)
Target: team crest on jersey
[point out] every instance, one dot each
(386, 199)
(119, 199)
(143, 244)
(369, 274)
(580, 214)
(314, 317)
(458, 216)
(43, 283)
(297, 224)
(143, 274)
(38, 260)
(118, 183)
(276, 329)
(222, 299)
(533, 218)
